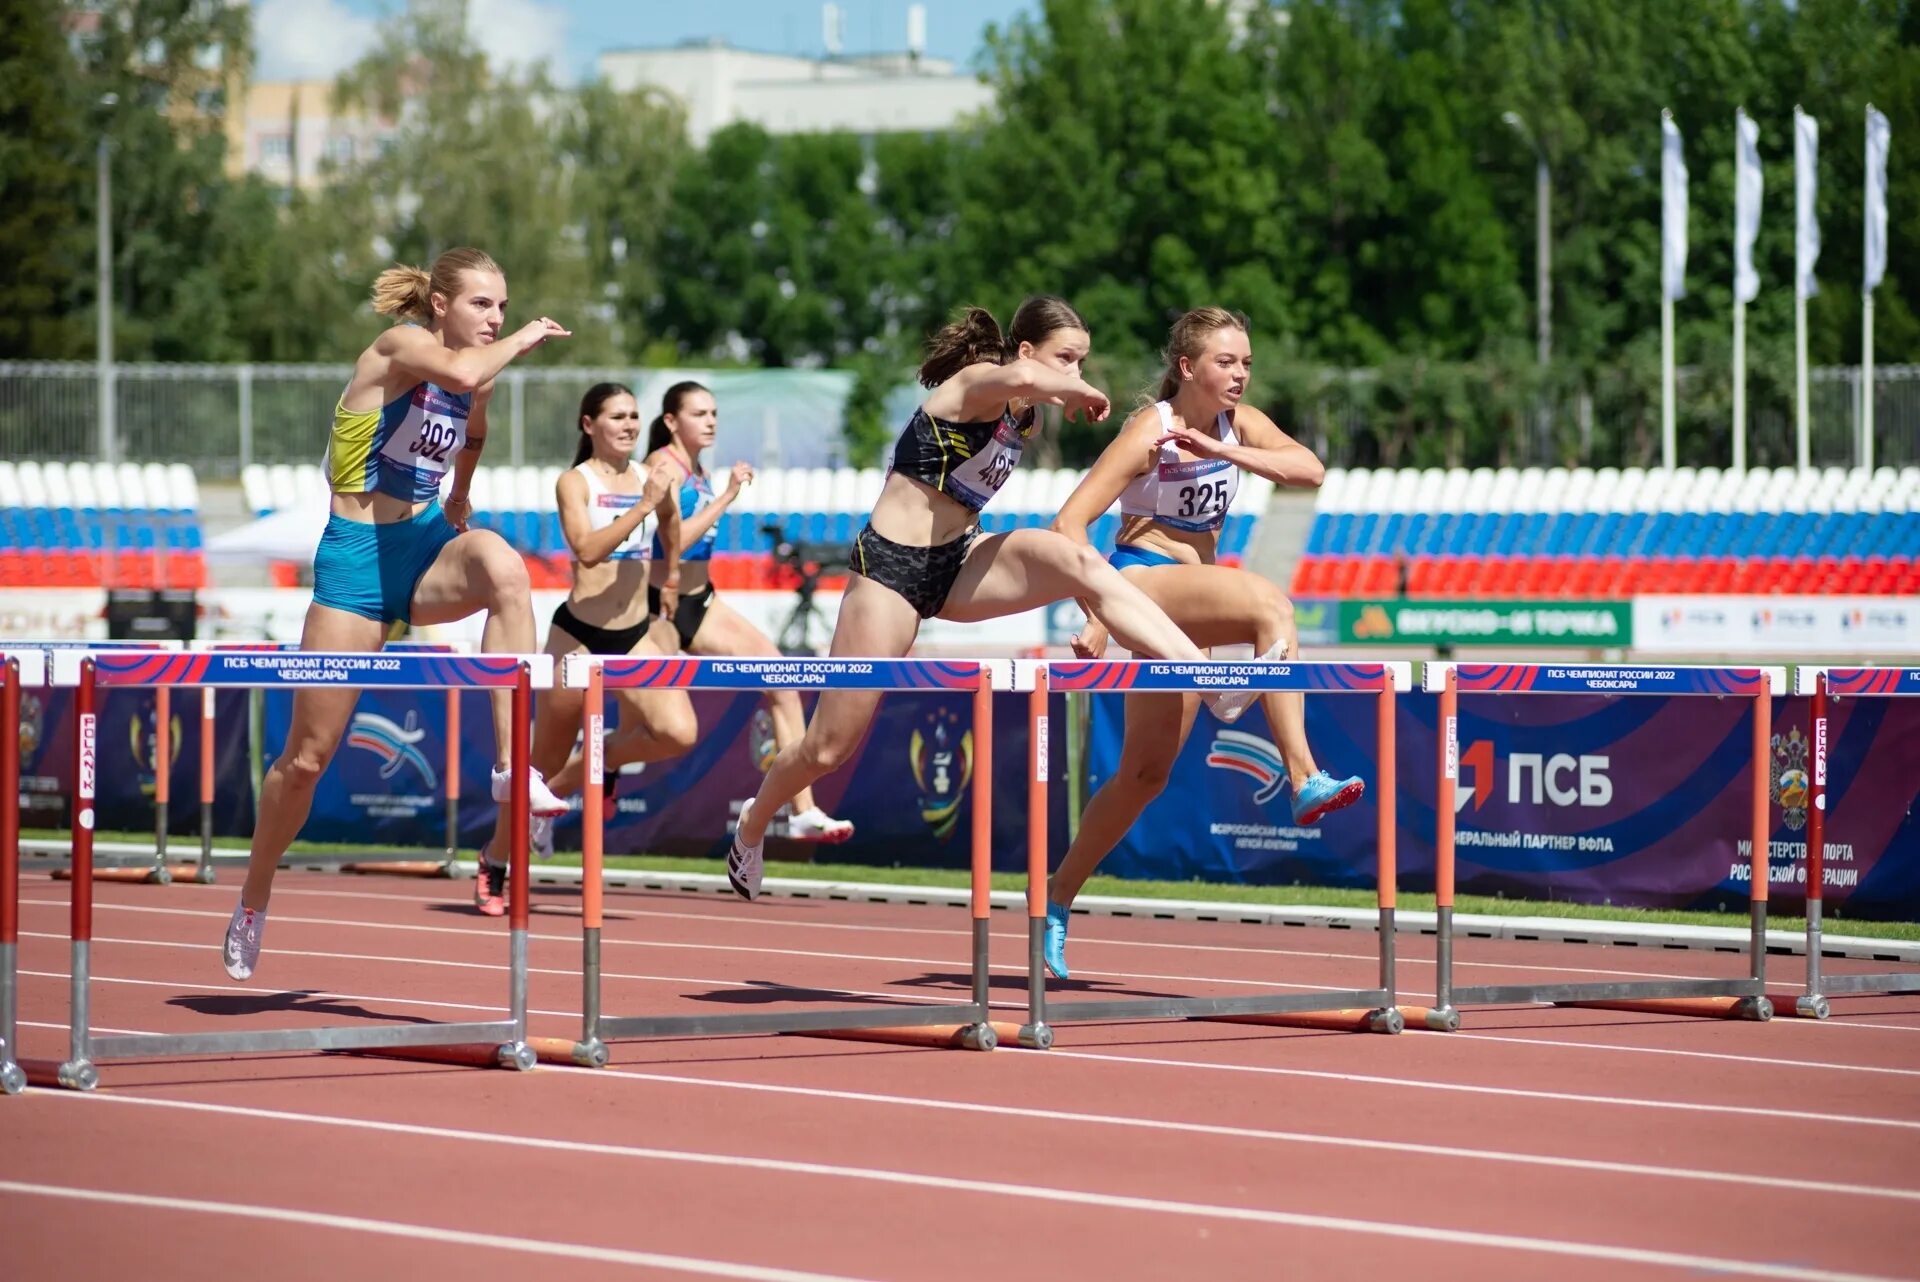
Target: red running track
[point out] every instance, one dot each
(1536, 1143)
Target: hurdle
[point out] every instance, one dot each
(17, 668)
(1822, 682)
(917, 1025)
(91, 674)
(1743, 998)
(1357, 1010)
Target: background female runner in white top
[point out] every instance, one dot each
(1174, 468)
(609, 504)
(704, 622)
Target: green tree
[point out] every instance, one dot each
(42, 177)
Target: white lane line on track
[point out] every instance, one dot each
(1597, 1166)
(607, 943)
(1427, 1235)
(905, 998)
(424, 1233)
(1525, 1040)
(573, 974)
(1149, 1061)
(1512, 1092)
(1019, 935)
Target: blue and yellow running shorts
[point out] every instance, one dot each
(371, 570)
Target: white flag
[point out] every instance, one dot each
(1746, 205)
(1673, 210)
(1879, 136)
(1806, 235)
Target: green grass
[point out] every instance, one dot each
(1288, 896)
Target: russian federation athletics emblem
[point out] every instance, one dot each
(942, 758)
(1790, 777)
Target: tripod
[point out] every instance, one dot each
(811, 561)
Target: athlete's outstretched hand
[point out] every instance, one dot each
(1199, 444)
(1086, 404)
(536, 332)
(1091, 642)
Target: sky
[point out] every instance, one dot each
(301, 39)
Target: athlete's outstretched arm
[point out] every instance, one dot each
(1128, 455)
(421, 355)
(1263, 449)
(979, 392)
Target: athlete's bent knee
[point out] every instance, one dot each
(1149, 778)
(301, 768)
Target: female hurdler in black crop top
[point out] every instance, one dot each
(967, 462)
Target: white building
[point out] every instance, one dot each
(787, 94)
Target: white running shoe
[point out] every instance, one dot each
(544, 804)
(1227, 705)
(241, 951)
(745, 863)
(540, 837)
(815, 824)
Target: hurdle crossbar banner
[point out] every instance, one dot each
(964, 1025)
(1743, 998)
(1823, 684)
(1379, 1011)
(92, 673)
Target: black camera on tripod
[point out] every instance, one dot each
(809, 560)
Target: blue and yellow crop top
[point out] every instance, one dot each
(967, 462)
(404, 448)
(696, 491)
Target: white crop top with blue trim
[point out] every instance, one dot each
(605, 506)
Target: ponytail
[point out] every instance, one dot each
(403, 292)
(659, 434)
(973, 338)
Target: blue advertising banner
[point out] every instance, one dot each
(905, 790)
(124, 776)
(1640, 801)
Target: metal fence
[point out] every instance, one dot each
(220, 418)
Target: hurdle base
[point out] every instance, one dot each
(519, 1056)
(1809, 1006)
(972, 1037)
(13, 1078)
(1352, 1020)
(591, 1053)
(74, 1074)
(401, 868)
(1034, 1037)
(1758, 1009)
(1435, 1019)
(147, 875)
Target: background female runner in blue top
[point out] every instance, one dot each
(922, 555)
(610, 509)
(1174, 468)
(703, 623)
(414, 409)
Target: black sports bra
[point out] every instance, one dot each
(967, 462)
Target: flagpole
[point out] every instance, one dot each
(1668, 448)
(1747, 183)
(1866, 380)
(1739, 385)
(1802, 432)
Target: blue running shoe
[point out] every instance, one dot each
(1054, 944)
(1322, 794)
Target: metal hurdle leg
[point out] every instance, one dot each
(980, 1034)
(162, 781)
(516, 1053)
(1036, 1034)
(1813, 1003)
(453, 779)
(590, 1051)
(13, 1079)
(1444, 1018)
(204, 873)
(78, 1072)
